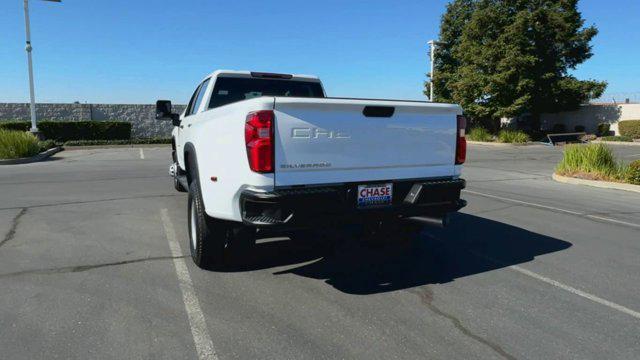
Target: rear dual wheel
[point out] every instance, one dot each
(208, 237)
(212, 241)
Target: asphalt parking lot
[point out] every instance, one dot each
(93, 264)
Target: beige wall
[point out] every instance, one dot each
(590, 116)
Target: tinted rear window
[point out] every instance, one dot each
(228, 90)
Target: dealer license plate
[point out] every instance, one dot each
(375, 195)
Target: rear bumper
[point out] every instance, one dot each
(312, 206)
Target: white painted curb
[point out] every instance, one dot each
(39, 157)
(622, 143)
(595, 183)
(498, 144)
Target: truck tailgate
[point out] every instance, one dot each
(321, 141)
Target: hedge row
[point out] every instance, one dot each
(16, 125)
(630, 128)
(616, 138)
(76, 130)
(118, 142)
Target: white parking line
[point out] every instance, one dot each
(595, 217)
(201, 338)
(141, 154)
(575, 291)
(524, 203)
(560, 285)
(612, 220)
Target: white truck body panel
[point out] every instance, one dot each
(218, 138)
(179, 133)
(418, 141)
(320, 141)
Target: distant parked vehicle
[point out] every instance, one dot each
(261, 150)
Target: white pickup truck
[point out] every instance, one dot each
(262, 150)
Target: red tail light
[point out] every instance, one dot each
(461, 141)
(258, 137)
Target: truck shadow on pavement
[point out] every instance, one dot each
(470, 245)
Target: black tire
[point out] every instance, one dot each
(176, 183)
(208, 237)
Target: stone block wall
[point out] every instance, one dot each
(141, 116)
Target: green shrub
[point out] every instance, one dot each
(513, 136)
(479, 134)
(603, 129)
(596, 160)
(76, 130)
(17, 144)
(118, 142)
(15, 125)
(633, 173)
(630, 128)
(616, 138)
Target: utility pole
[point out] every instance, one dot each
(432, 53)
(29, 48)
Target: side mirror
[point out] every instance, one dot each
(163, 112)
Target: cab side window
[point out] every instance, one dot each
(196, 98)
(190, 105)
(199, 97)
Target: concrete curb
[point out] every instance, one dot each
(84, 147)
(497, 144)
(623, 143)
(596, 183)
(43, 155)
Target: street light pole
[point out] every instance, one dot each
(29, 48)
(432, 53)
(433, 56)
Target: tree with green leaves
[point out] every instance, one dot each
(504, 58)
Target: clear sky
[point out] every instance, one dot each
(127, 51)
